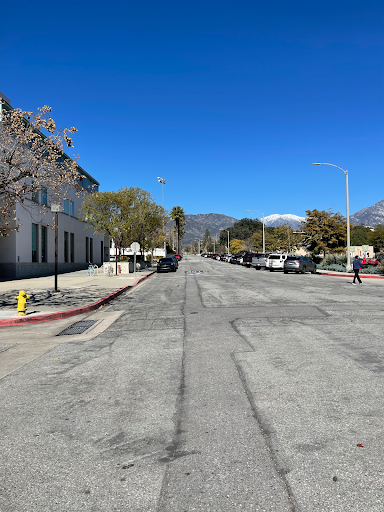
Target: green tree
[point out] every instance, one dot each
(359, 235)
(207, 243)
(132, 210)
(177, 214)
(324, 231)
(241, 230)
(376, 238)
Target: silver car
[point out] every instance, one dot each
(299, 264)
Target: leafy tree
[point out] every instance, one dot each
(178, 215)
(324, 231)
(359, 235)
(31, 161)
(376, 237)
(241, 230)
(236, 246)
(132, 210)
(207, 241)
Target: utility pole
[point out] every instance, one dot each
(162, 181)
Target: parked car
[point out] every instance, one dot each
(259, 260)
(174, 259)
(275, 261)
(166, 265)
(233, 259)
(247, 259)
(178, 257)
(299, 264)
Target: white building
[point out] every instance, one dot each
(30, 251)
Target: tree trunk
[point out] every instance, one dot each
(178, 235)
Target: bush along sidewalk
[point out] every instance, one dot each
(337, 267)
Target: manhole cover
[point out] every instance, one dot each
(77, 328)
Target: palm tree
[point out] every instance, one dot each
(178, 215)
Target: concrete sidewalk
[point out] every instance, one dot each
(77, 290)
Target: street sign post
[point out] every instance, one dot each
(56, 208)
(135, 247)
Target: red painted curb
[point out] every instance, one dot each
(363, 276)
(59, 315)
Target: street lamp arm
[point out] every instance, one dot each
(333, 165)
(255, 211)
(348, 224)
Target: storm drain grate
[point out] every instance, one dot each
(77, 328)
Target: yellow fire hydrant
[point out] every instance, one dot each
(22, 303)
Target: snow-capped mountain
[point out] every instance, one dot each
(276, 219)
(370, 216)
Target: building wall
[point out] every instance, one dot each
(16, 259)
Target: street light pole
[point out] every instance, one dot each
(56, 208)
(162, 181)
(228, 239)
(263, 227)
(348, 224)
(116, 230)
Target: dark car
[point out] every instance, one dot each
(178, 257)
(298, 264)
(166, 265)
(247, 259)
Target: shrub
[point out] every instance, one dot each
(335, 267)
(333, 259)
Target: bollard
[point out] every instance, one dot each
(22, 303)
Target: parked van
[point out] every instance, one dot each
(275, 261)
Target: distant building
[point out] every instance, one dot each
(30, 251)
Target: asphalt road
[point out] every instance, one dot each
(218, 388)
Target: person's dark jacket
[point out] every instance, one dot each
(356, 264)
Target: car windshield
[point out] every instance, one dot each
(275, 256)
(296, 258)
(166, 260)
(257, 255)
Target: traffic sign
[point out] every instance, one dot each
(135, 247)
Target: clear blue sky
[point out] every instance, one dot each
(229, 101)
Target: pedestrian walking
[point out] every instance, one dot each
(356, 267)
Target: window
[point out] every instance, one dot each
(66, 246)
(44, 199)
(34, 242)
(71, 208)
(35, 196)
(86, 250)
(91, 249)
(43, 244)
(72, 247)
(66, 210)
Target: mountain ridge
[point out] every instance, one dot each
(370, 216)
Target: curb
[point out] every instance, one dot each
(362, 276)
(59, 315)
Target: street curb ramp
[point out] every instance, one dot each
(59, 315)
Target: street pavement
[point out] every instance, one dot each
(216, 388)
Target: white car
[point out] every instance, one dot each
(275, 261)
